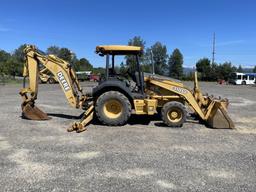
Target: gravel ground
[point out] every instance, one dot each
(140, 156)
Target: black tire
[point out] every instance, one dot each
(175, 108)
(243, 83)
(113, 108)
(51, 81)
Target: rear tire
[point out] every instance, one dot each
(113, 108)
(51, 81)
(174, 114)
(243, 83)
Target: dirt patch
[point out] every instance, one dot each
(183, 147)
(166, 184)
(246, 130)
(66, 139)
(129, 173)
(4, 145)
(28, 169)
(246, 125)
(221, 174)
(86, 155)
(240, 102)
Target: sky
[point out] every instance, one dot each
(81, 25)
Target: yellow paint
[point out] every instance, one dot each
(145, 106)
(174, 115)
(118, 48)
(112, 109)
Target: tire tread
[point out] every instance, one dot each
(118, 122)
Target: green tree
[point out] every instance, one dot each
(122, 68)
(83, 65)
(130, 59)
(213, 73)
(19, 53)
(240, 69)
(74, 62)
(254, 69)
(14, 67)
(175, 64)
(4, 57)
(188, 76)
(65, 54)
(146, 68)
(148, 61)
(225, 69)
(99, 70)
(203, 66)
(54, 50)
(159, 59)
(17, 61)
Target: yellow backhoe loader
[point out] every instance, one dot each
(117, 96)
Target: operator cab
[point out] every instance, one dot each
(110, 51)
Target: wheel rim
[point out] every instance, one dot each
(174, 115)
(112, 109)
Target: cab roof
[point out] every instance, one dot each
(118, 50)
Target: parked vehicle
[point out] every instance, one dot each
(95, 78)
(242, 78)
(83, 75)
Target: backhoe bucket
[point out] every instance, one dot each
(219, 118)
(30, 111)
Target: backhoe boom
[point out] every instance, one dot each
(62, 71)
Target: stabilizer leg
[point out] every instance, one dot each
(87, 118)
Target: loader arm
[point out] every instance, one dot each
(211, 110)
(67, 79)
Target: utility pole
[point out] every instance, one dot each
(213, 48)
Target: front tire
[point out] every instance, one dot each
(174, 114)
(113, 108)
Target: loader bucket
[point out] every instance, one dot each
(30, 111)
(219, 118)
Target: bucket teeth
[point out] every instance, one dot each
(32, 112)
